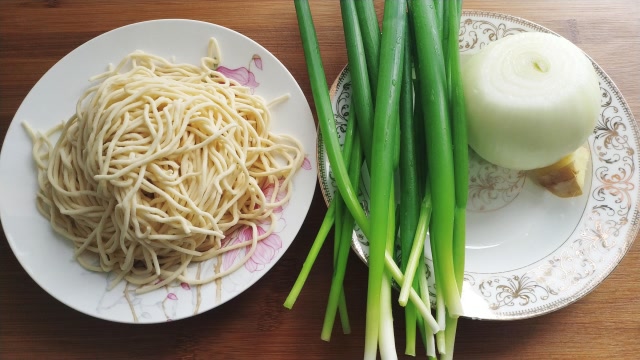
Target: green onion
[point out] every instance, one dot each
(344, 219)
(387, 137)
(460, 142)
(327, 223)
(449, 336)
(370, 31)
(440, 14)
(326, 121)
(415, 298)
(328, 131)
(343, 245)
(325, 227)
(444, 33)
(387, 101)
(433, 94)
(361, 101)
(409, 196)
(460, 159)
(417, 249)
(424, 295)
(415, 256)
(344, 315)
(385, 334)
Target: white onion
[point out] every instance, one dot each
(531, 99)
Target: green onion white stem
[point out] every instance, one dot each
(422, 309)
(386, 337)
(417, 249)
(426, 298)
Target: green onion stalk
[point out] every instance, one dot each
(320, 92)
(327, 223)
(460, 157)
(382, 169)
(328, 131)
(343, 221)
(370, 32)
(409, 196)
(362, 100)
(343, 234)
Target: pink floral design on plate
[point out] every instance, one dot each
(257, 60)
(306, 164)
(244, 75)
(268, 193)
(265, 252)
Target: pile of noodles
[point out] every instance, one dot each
(158, 164)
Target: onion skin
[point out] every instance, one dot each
(531, 99)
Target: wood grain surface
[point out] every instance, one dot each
(35, 34)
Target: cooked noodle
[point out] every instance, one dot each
(158, 164)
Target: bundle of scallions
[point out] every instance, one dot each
(406, 123)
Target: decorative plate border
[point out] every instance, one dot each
(607, 227)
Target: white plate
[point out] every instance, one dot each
(47, 257)
(529, 252)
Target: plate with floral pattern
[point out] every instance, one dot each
(48, 258)
(529, 252)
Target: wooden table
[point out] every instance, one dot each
(34, 34)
